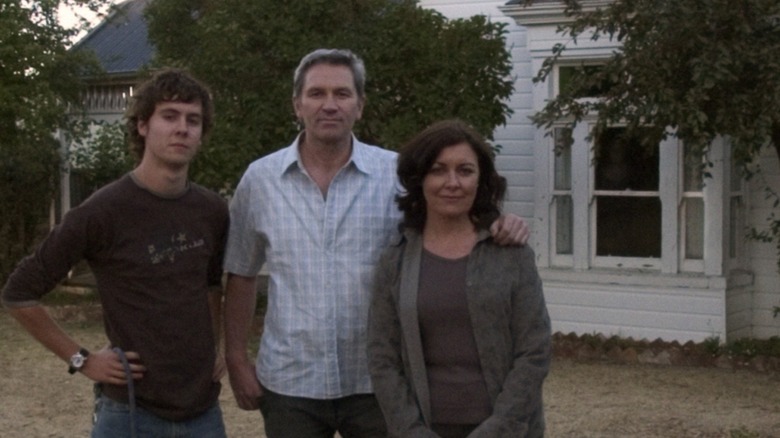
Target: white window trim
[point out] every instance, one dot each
(716, 194)
(672, 261)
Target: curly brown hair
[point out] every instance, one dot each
(166, 85)
(417, 157)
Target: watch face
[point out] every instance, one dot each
(77, 361)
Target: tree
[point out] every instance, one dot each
(40, 81)
(421, 68)
(104, 157)
(695, 68)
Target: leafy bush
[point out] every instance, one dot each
(421, 67)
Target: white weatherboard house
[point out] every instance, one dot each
(667, 259)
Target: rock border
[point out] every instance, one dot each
(596, 348)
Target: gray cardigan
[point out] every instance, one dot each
(511, 329)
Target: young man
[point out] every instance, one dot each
(318, 213)
(154, 241)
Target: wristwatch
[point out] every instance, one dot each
(77, 361)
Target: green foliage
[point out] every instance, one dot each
(105, 156)
(700, 67)
(421, 68)
(744, 347)
(712, 345)
(39, 84)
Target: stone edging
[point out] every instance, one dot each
(658, 352)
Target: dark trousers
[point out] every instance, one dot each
(355, 416)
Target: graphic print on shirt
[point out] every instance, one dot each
(167, 249)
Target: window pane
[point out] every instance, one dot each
(694, 228)
(623, 163)
(568, 73)
(563, 225)
(562, 160)
(734, 228)
(693, 177)
(628, 226)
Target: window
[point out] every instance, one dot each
(692, 211)
(606, 207)
(627, 202)
(563, 224)
(613, 202)
(736, 212)
(566, 73)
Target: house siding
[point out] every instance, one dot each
(634, 312)
(644, 305)
(739, 317)
(763, 256)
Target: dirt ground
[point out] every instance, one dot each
(38, 398)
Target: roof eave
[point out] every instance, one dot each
(546, 13)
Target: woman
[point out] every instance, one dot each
(459, 336)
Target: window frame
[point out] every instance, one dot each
(583, 195)
(689, 264)
(716, 197)
(718, 256)
(584, 209)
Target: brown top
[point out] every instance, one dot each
(154, 260)
(457, 387)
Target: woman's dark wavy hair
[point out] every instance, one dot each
(167, 85)
(417, 157)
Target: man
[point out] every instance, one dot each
(155, 243)
(318, 213)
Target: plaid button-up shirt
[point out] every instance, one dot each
(320, 253)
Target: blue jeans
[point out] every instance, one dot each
(113, 421)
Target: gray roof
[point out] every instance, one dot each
(121, 41)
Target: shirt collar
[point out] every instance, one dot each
(292, 156)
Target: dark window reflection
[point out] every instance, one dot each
(625, 164)
(628, 227)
